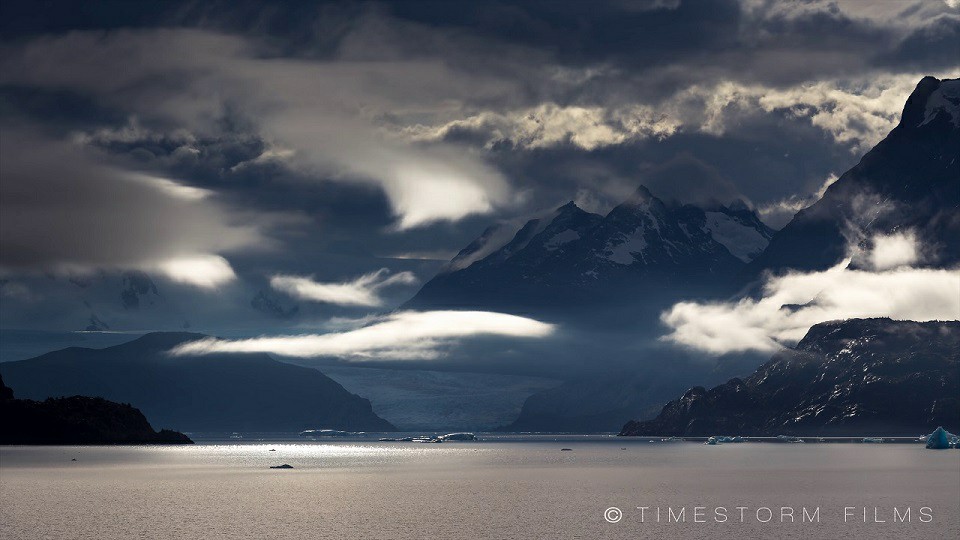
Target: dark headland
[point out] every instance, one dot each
(77, 420)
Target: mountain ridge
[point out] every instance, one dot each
(908, 184)
(222, 392)
(910, 181)
(853, 377)
(571, 256)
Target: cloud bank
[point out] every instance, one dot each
(404, 127)
(363, 291)
(405, 335)
(791, 304)
(894, 251)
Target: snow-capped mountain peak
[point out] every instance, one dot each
(570, 252)
(944, 100)
(504, 240)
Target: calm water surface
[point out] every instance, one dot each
(488, 489)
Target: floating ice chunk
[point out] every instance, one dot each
(434, 440)
(711, 441)
(458, 437)
(874, 440)
(329, 433)
(941, 439)
(464, 436)
(789, 438)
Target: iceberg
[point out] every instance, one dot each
(329, 433)
(433, 438)
(941, 439)
(458, 437)
(875, 440)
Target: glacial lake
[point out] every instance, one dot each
(499, 487)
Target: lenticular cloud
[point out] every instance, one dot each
(363, 291)
(405, 335)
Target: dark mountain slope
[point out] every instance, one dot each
(226, 392)
(642, 250)
(855, 377)
(909, 181)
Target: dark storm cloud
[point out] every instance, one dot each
(60, 207)
(397, 128)
(929, 47)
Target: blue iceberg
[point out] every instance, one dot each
(941, 439)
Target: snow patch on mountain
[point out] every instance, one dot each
(560, 239)
(492, 239)
(500, 236)
(625, 252)
(742, 241)
(946, 98)
(529, 231)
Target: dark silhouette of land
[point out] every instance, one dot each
(212, 393)
(77, 420)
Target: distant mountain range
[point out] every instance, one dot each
(612, 274)
(571, 257)
(645, 249)
(855, 377)
(225, 392)
(626, 267)
(76, 420)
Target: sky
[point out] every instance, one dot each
(303, 166)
